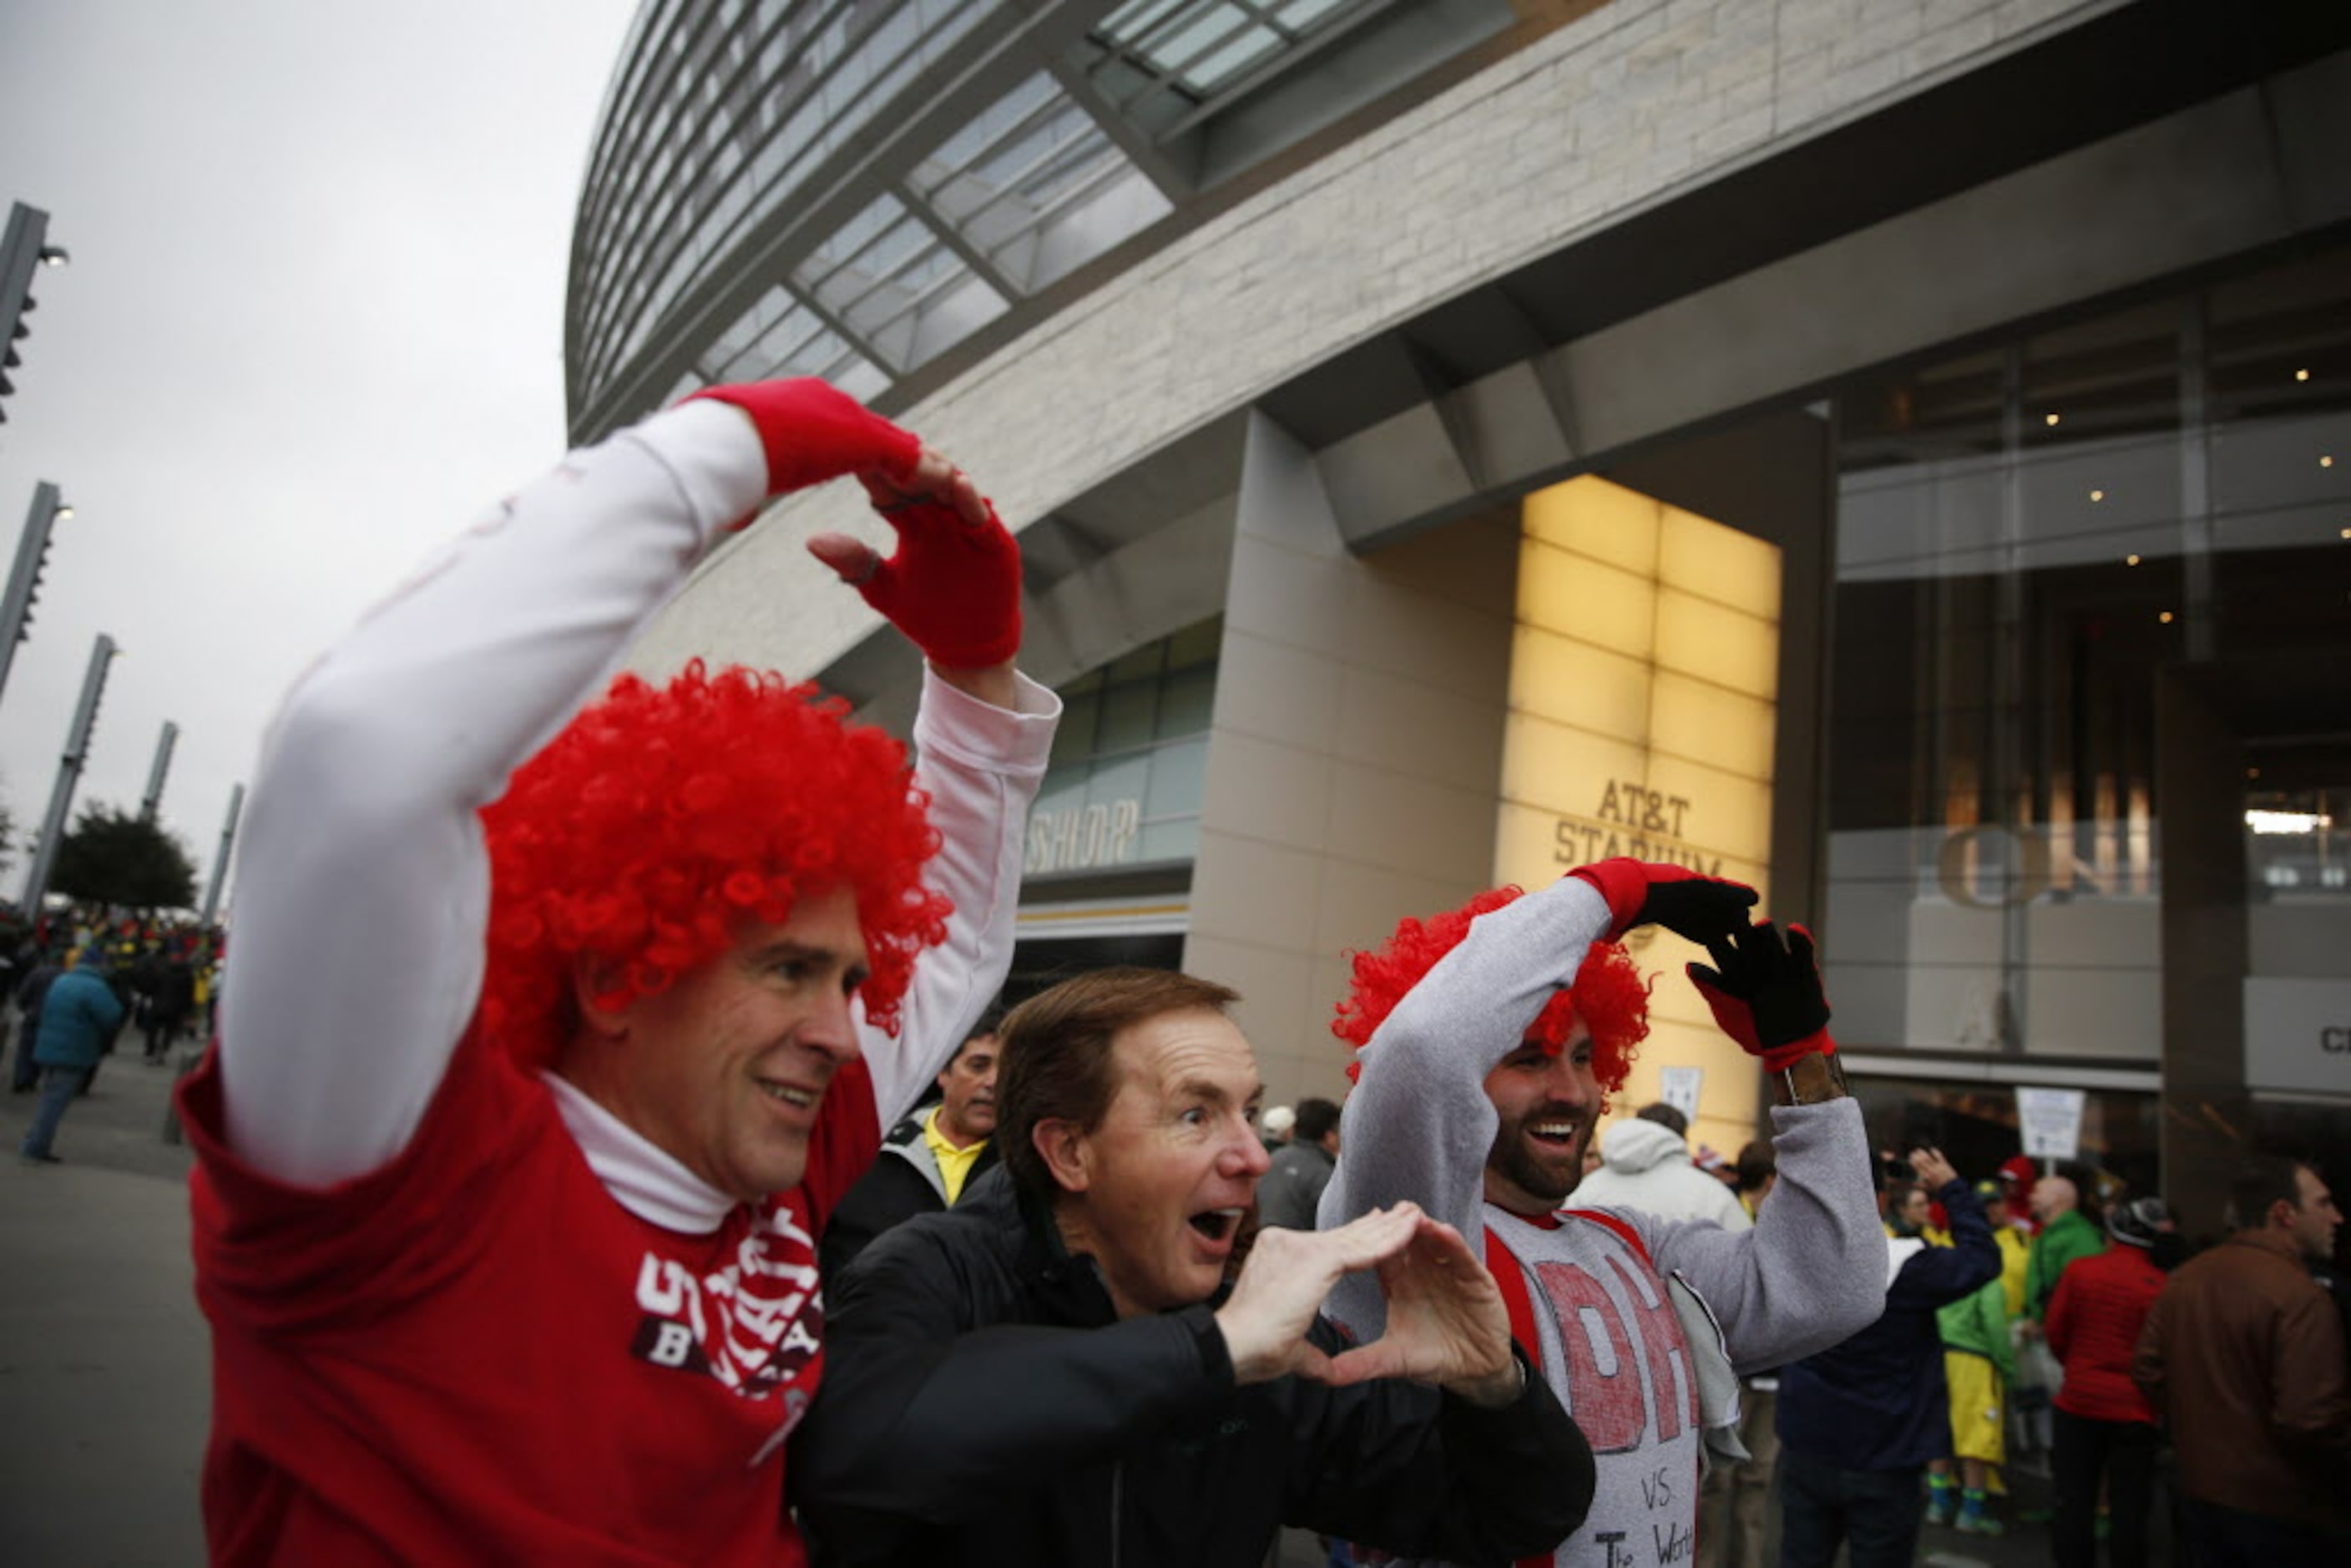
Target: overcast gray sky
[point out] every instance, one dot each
(313, 321)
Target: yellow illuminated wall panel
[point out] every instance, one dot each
(1644, 687)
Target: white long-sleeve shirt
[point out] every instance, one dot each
(364, 880)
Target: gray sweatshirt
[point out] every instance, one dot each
(1647, 1167)
(1419, 1126)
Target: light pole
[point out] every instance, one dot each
(220, 859)
(151, 804)
(25, 577)
(53, 826)
(23, 250)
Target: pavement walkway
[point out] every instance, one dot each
(105, 1381)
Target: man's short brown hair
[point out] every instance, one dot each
(1056, 1047)
(2260, 1183)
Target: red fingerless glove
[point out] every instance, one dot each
(813, 431)
(953, 589)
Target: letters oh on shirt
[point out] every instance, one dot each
(1628, 1381)
(753, 1325)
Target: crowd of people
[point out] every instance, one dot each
(642, 1172)
(77, 979)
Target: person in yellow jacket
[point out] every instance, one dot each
(2014, 1241)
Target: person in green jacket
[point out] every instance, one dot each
(2066, 1233)
(1978, 1364)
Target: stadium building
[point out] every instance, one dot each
(1896, 451)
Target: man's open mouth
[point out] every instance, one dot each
(789, 1093)
(1558, 1133)
(1216, 1224)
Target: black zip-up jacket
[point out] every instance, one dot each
(904, 1182)
(982, 1404)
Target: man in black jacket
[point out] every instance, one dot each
(1056, 1372)
(1859, 1420)
(929, 1157)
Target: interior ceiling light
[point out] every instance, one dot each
(2049, 418)
(2097, 495)
(2263, 821)
(2165, 618)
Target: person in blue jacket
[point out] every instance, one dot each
(80, 1016)
(1859, 1421)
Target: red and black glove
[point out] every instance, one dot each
(1647, 892)
(953, 587)
(813, 433)
(1765, 991)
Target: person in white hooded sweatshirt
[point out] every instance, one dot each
(1644, 1165)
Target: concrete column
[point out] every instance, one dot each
(2200, 781)
(1355, 751)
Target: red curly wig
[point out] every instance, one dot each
(1609, 995)
(662, 818)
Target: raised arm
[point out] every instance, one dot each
(1419, 1126)
(981, 761)
(1813, 1271)
(983, 735)
(363, 883)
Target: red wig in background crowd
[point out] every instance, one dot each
(1609, 996)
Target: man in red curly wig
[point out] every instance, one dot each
(543, 1060)
(1488, 1039)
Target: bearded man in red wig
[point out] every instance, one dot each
(543, 1060)
(1488, 1039)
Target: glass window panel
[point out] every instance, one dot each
(1198, 45)
(2296, 844)
(1197, 645)
(1063, 788)
(990, 124)
(952, 314)
(1177, 841)
(1186, 702)
(858, 376)
(2112, 375)
(2286, 465)
(1177, 782)
(714, 168)
(1080, 715)
(1225, 55)
(2010, 587)
(1128, 714)
(1143, 664)
(1119, 779)
(1114, 794)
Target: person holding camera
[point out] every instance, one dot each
(1859, 1422)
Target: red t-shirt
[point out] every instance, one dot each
(477, 1355)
